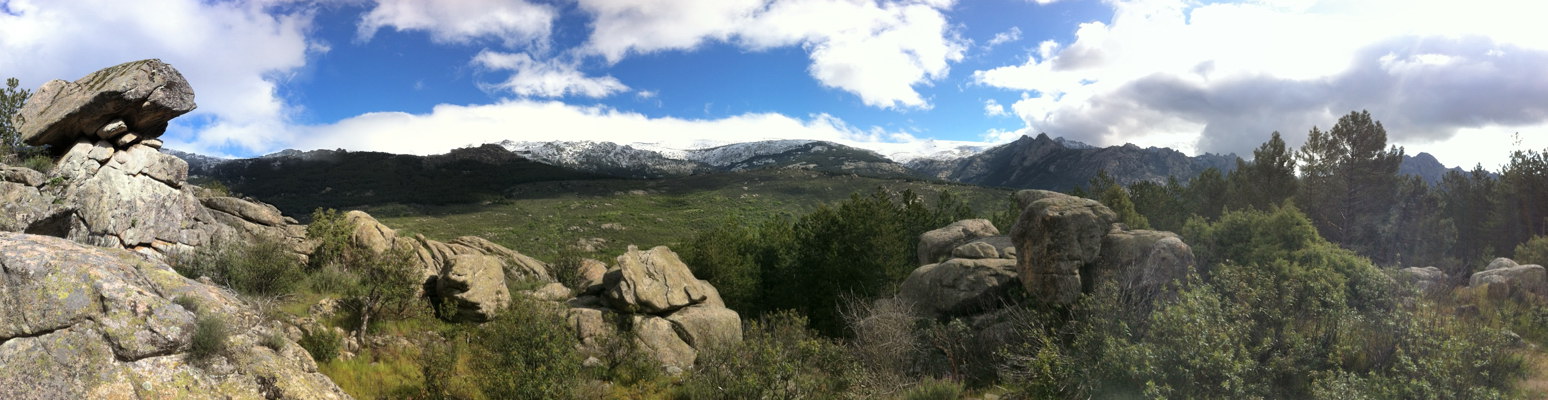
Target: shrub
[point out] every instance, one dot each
(331, 233)
(389, 283)
(932, 389)
(332, 278)
(779, 358)
(188, 303)
(526, 353)
(209, 337)
(274, 341)
(322, 344)
(260, 266)
(1533, 251)
(40, 162)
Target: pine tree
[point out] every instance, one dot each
(1350, 179)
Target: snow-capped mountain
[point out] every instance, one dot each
(607, 158)
(648, 160)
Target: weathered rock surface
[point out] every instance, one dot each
(475, 284)
(1141, 260)
(1056, 236)
(1529, 278)
(434, 257)
(707, 326)
(142, 96)
(1065, 244)
(656, 336)
(85, 322)
(939, 243)
(960, 286)
(1424, 278)
(654, 300)
(653, 281)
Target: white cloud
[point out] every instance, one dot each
(531, 120)
(545, 78)
(877, 50)
(1220, 77)
(1012, 35)
(513, 22)
(236, 55)
(994, 109)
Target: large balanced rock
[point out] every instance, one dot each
(1056, 237)
(653, 281)
(960, 286)
(1066, 244)
(135, 98)
(110, 186)
(80, 322)
(1511, 277)
(475, 284)
(936, 244)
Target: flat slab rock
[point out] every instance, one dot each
(145, 94)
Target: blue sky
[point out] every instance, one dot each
(903, 77)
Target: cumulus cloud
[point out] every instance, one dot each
(545, 78)
(513, 22)
(533, 120)
(1220, 77)
(877, 50)
(994, 108)
(1012, 35)
(235, 54)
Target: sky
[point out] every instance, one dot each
(1464, 81)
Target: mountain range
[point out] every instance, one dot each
(292, 179)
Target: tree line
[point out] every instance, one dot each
(1346, 180)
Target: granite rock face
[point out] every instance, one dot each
(89, 322)
(1066, 244)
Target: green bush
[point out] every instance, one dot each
(1533, 251)
(331, 233)
(260, 266)
(209, 337)
(322, 344)
(274, 341)
(40, 162)
(526, 353)
(332, 278)
(779, 358)
(934, 390)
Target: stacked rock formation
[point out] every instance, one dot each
(977, 275)
(80, 322)
(111, 186)
(468, 271)
(653, 299)
(1066, 244)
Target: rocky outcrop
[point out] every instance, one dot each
(653, 281)
(437, 259)
(475, 286)
(937, 244)
(85, 322)
(653, 299)
(975, 280)
(1066, 244)
(1504, 276)
(126, 103)
(110, 185)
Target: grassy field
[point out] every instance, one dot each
(538, 219)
